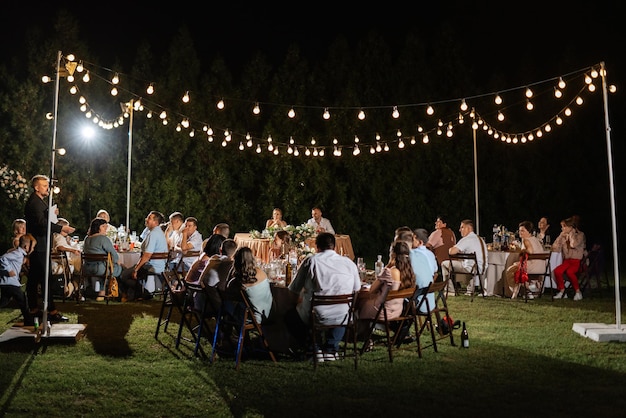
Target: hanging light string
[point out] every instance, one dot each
(444, 127)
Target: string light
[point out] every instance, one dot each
(319, 150)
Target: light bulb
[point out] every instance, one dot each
(395, 114)
(291, 113)
(326, 114)
(361, 115)
(558, 93)
(115, 79)
(561, 83)
(429, 110)
(529, 105)
(498, 99)
(256, 110)
(500, 116)
(150, 89)
(529, 92)
(186, 98)
(220, 104)
(86, 77)
(463, 105)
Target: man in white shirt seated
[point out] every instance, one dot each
(325, 273)
(321, 224)
(470, 243)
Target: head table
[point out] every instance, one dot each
(261, 246)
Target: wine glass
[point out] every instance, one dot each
(360, 264)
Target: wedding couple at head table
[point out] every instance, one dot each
(320, 223)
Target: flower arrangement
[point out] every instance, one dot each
(298, 234)
(13, 183)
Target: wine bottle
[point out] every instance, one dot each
(378, 266)
(464, 337)
(288, 273)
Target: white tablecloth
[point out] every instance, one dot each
(129, 258)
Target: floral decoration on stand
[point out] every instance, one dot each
(298, 236)
(13, 183)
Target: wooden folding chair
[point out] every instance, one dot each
(540, 278)
(173, 298)
(317, 328)
(157, 276)
(61, 259)
(180, 266)
(473, 273)
(84, 276)
(394, 326)
(196, 315)
(431, 316)
(237, 311)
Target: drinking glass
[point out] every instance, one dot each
(360, 264)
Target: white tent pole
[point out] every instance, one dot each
(130, 156)
(477, 219)
(618, 313)
(44, 330)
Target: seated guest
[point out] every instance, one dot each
(400, 230)
(421, 264)
(280, 245)
(97, 242)
(245, 275)
(105, 215)
(276, 220)
(325, 273)
(572, 243)
(173, 235)
(210, 251)
(19, 229)
(543, 231)
(155, 242)
(530, 245)
(398, 274)
(441, 239)
(10, 266)
(469, 243)
(191, 240)
(222, 229)
(61, 244)
(321, 224)
(420, 237)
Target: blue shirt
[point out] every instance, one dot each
(155, 242)
(12, 260)
(423, 273)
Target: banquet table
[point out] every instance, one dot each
(129, 258)
(499, 261)
(261, 246)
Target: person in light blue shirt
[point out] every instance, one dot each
(424, 274)
(420, 238)
(154, 242)
(10, 266)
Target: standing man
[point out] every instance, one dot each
(321, 224)
(37, 223)
(324, 273)
(470, 243)
(154, 242)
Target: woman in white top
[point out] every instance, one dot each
(531, 245)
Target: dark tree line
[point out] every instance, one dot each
(367, 196)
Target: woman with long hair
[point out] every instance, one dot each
(247, 276)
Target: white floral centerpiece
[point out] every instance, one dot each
(298, 235)
(13, 183)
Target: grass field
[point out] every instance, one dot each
(523, 360)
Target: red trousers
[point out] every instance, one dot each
(570, 267)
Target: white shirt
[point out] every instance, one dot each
(325, 273)
(324, 223)
(471, 243)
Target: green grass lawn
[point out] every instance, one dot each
(523, 360)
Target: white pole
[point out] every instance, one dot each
(130, 155)
(618, 311)
(477, 219)
(44, 325)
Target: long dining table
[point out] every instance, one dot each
(261, 246)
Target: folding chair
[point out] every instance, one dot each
(94, 258)
(237, 312)
(196, 314)
(157, 276)
(64, 278)
(425, 311)
(173, 298)
(394, 326)
(473, 273)
(439, 311)
(317, 327)
(539, 277)
(181, 268)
